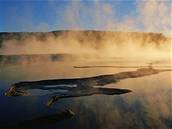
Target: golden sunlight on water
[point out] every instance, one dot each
(148, 105)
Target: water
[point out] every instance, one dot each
(148, 106)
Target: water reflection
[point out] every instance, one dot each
(42, 121)
(83, 86)
(87, 92)
(149, 105)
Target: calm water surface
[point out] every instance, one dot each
(148, 106)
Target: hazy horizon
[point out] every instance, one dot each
(144, 16)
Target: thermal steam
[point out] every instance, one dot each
(92, 43)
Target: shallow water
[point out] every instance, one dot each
(148, 106)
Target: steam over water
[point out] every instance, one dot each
(92, 43)
(70, 55)
(147, 106)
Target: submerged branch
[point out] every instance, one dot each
(41, 121)
(87, 92)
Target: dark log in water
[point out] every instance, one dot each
(108, 66)
(87, 92)
(116, 66)
(20, 89)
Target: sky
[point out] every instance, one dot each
(48, 15)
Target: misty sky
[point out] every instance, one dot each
(46, 15)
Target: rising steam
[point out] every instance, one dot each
(153, 16)
(93, 43)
